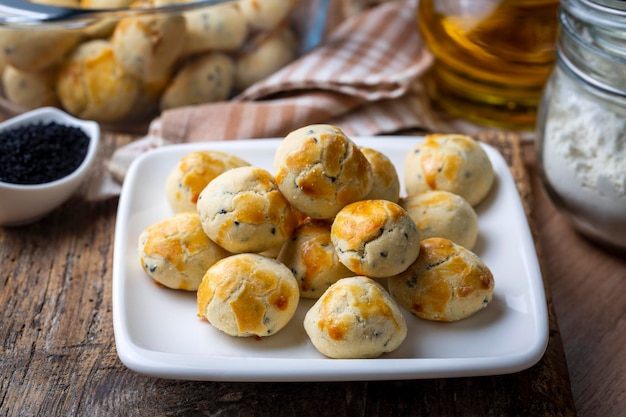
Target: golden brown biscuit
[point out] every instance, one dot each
(202, 79)
(386, 183)
(103, 28)
(193, 172)
(176, 252)
(355, 318)
(312, 258)
(37, 50)
(447, 282)
(215, 28)
(146, 105)
(147, 46)
(320, 170)
(264, 56)
(248, 295)
(266, 14)
(243, 210)
(30, 89)
(375, 238)
(449, 162)
(92, 85)
(443, 214)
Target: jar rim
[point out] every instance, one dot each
(618, 5)
(566, 64)
(604, 13)
(568, 28)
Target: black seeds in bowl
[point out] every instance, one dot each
(38, 153)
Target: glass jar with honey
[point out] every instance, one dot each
(491, 57)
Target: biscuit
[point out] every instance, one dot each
(242, 210)
(386, 183)
(215, 28)
(263, 56)
(320, 170)
(312, 258)
(447, 282)
(30, 89)
(147, 46)
(37, 50)
(146, 104)
(176, 252)
(248, 295)
(265, 15)
(104, 27)
(193, 172)
(355, 318)
(449, 162)
(375, 238)
(202, 79)
(443, 214)
(92, 84)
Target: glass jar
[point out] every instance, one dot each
(492, 57)
(581, 125)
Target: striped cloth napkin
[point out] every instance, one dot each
(361, 79)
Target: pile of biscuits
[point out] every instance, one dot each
(117, 70)
(327, 224)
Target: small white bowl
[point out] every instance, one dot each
(22, 204)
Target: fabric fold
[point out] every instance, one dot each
(374, 55)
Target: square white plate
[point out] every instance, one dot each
(158, 333)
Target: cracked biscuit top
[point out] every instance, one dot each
(375, 238)
(320, 170)
(242, 210)
(176, 252)
(449, 162)
(447, 282)
(193, 172)
(355, 318)
(248, 295)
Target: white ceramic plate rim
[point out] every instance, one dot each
(510, 335)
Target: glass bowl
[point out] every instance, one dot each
(122, 66)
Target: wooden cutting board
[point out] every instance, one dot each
(59, 354)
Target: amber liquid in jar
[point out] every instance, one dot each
(492, 57)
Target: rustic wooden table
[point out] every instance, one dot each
(59, 357)
(588, 286)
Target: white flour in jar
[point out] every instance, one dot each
(584, 159)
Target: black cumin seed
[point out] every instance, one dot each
(38, 153)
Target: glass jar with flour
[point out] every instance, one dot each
(581, 126)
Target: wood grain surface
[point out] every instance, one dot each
(588, 285)
(59, 358)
